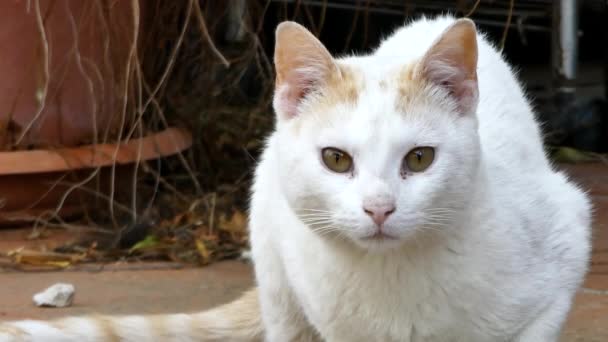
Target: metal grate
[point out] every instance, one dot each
(528, 15)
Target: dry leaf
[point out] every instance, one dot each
(35, 258)
(202, 251)
(236, 224)
(59, 264)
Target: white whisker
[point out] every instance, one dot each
(314, 215)
(310, 209)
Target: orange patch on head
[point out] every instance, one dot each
(344, 88)
(410, 86)
(347, 87)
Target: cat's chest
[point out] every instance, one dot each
(364, 298)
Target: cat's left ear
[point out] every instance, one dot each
(451, 63)
(302, 64)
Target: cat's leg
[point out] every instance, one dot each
(282, 316)
(283, 319)
(547, 326)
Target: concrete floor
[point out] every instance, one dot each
(156, 288)
(130, 291)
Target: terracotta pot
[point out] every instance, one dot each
(35, 181)
(63, 69)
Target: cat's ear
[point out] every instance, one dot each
(451, 62)
(302, 65)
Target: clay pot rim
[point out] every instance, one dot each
(160, 144)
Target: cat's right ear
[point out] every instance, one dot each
(451, 63)
(302, 65)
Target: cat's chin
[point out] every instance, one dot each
(378, 243)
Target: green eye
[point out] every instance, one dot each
(419, 159)
(336, 160)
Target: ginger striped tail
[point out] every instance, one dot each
(238, 321)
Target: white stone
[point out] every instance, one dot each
(246, 255)
(59, 295)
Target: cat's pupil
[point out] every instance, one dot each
(337, 157)
(419, 155)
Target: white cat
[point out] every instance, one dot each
(403, 196)
(396, 202)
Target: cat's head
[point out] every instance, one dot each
(373, 150)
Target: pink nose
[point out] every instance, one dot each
(379, 213)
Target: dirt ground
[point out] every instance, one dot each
(166, 288)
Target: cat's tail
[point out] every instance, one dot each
(236, 321)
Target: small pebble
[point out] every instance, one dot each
(246, 256)
(57, 296)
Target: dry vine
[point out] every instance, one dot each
(180, 69)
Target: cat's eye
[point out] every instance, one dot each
(419, 159)
(336, 160)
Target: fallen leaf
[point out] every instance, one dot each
(35, 258)
(59, 264)
(202, 251)
(150, 241)
(236, 224)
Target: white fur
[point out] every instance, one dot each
(493, 243)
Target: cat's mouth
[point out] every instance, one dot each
(379, 236)
(378, 240)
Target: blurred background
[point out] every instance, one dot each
(129, 129)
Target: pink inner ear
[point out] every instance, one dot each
(455, 79)
(444, 74)
(451, 63)
(294, 88)
(285, 101)
(302, 64)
